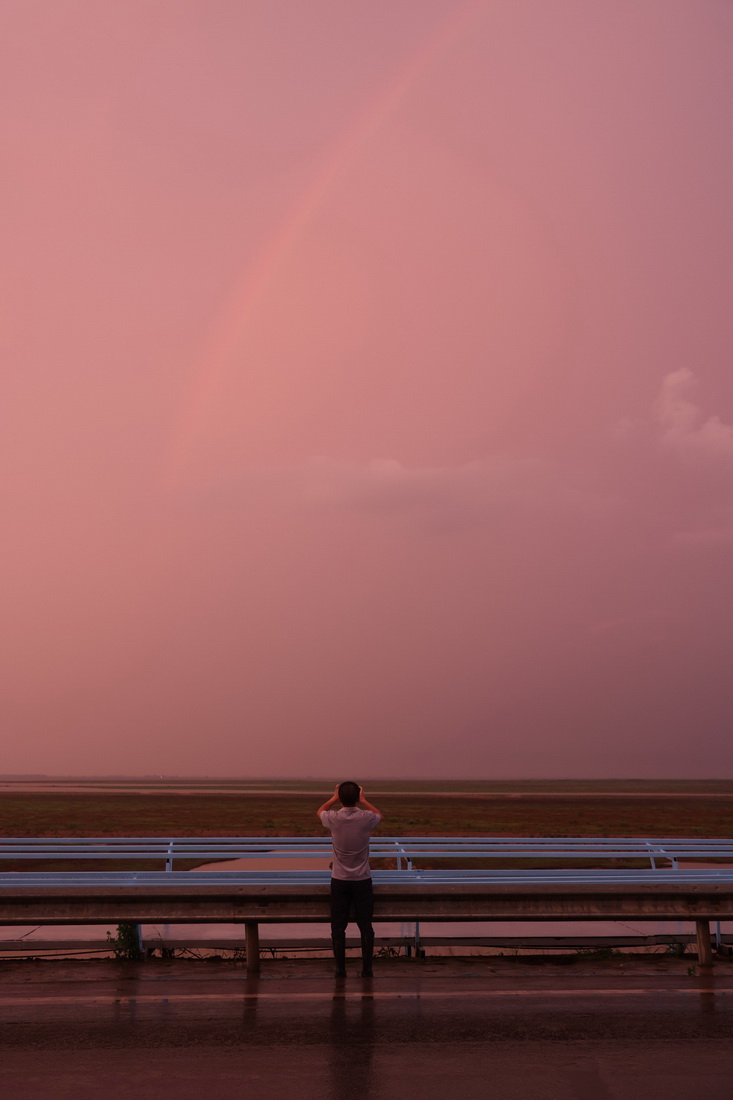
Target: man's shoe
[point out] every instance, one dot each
(339, 973)
(367, 972)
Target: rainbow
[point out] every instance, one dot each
(198, 402)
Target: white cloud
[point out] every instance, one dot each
(682, 423)
(443, 495)
(379, 485)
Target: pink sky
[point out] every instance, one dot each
(367, 405)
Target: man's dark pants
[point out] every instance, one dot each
(345, 895)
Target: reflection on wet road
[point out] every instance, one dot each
(175, 1031)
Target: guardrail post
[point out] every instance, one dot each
(704, 946)
(252, 945)
(400, 853)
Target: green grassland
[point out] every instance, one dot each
(45, 813)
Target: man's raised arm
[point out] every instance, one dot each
(364, 805)
(327, 805)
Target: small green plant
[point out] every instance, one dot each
(692, 971)
(126, 944)
(597, 952)
(676, 950)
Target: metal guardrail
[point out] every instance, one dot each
(663, 854)
(542, 877)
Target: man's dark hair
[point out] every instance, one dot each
(348, 793)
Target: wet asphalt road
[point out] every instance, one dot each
(423, 1030)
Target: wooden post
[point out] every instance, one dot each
(252, 944)
(704, 947)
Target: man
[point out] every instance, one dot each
(351, 875)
